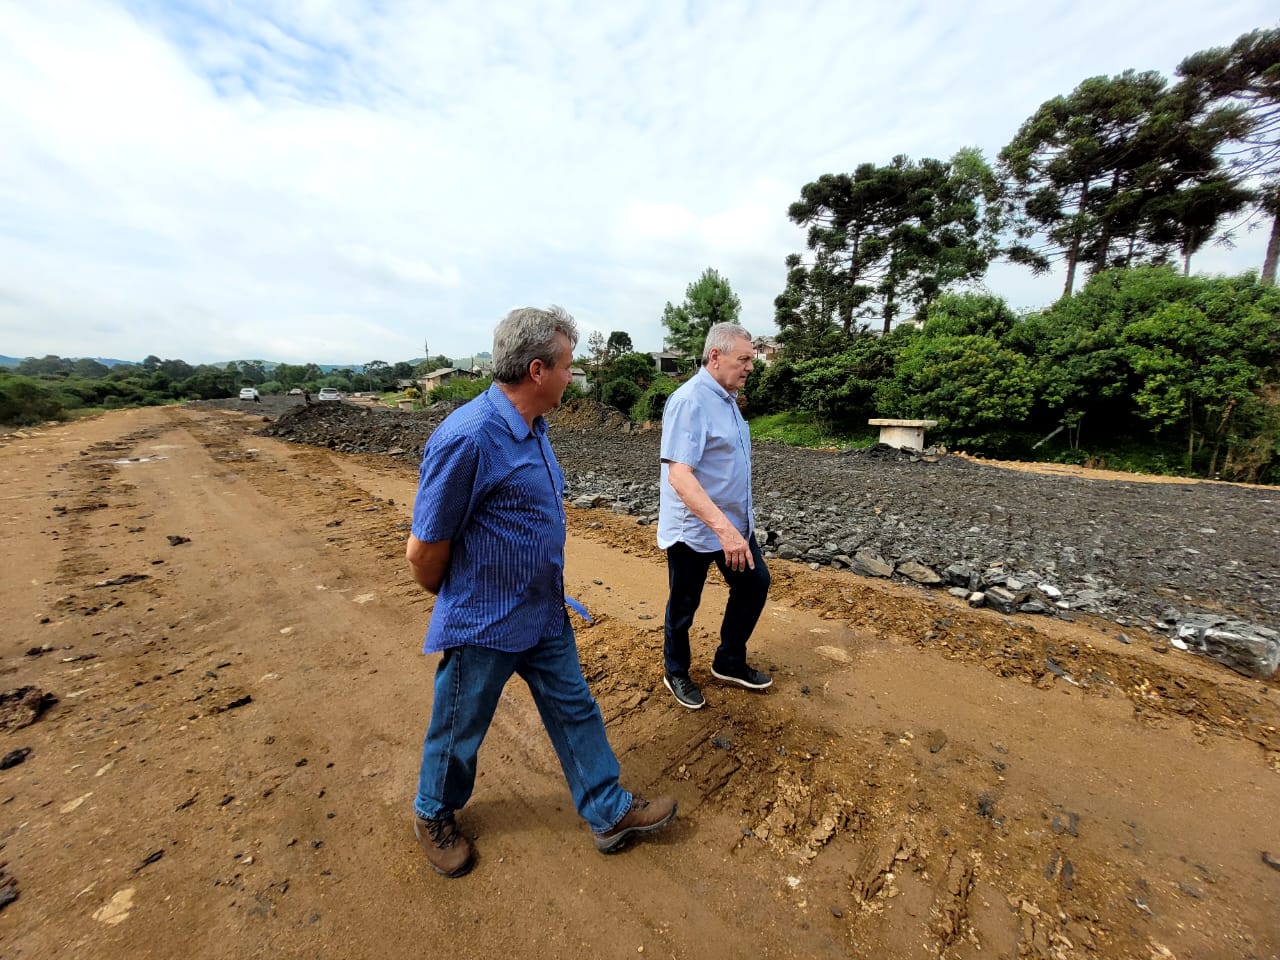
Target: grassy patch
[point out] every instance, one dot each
(799, 429)
(1164, 461)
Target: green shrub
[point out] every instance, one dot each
(25, 402)
(621, 394)
(979, 392)
(460, 388)
(636, 367)
(654, 400)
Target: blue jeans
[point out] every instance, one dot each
(687, 573)
(469, 681)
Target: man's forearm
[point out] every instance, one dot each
(693, 496)
(737, 551)
(428, 561)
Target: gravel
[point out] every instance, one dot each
(1144, 554)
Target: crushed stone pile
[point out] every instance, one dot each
(1147, 555)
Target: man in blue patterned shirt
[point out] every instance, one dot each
(488, 540)
(705, 515)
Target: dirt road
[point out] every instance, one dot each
(232, 638)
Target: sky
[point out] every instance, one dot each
(341, 181)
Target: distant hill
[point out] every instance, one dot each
(272, 364)
(266, 364)
(105, 361)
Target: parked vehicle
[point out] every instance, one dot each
(328, 393)
(249, 393)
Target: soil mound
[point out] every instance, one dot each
(587, 414)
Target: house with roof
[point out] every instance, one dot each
(438, 378)
(766, 349)
(480, 364)
(668, 361)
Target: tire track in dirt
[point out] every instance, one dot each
(1158, 682)
(810, 794)
(918, 781)
(868, 799)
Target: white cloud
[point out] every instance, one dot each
(392, 267)
(656, 221)
(338, 182)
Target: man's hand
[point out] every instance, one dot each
(737, 552)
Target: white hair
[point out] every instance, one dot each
(723, 337)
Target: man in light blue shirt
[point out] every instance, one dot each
(705, 515)
(488, 540)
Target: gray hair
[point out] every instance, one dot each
(529, 334)
(723, 337)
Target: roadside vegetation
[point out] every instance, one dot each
(1142, 369)
(53, 387)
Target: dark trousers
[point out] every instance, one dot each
(687, 572)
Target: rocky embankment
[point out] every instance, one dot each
(1199, 562)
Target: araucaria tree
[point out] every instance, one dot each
(707, 301)
(598, 351)
(619, 343)
(1246, 75)
(1122, 171)
(884, 240)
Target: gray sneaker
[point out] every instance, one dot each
(748, 677)
(684, 690)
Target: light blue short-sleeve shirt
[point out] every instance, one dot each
(703, 429)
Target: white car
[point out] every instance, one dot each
(328, 393)
(249, 393)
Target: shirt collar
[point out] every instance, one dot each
(511, 416)
(713, 384)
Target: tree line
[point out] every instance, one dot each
(1122, 181)
(52, 387)
(1183, 372)
(1123, 171)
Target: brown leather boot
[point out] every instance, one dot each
(643, 817)
(447, 850)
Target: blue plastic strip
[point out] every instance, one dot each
(578, 608)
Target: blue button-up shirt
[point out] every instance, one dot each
(492, 487)
(703, 429)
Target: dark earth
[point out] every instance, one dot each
(1148, 555)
